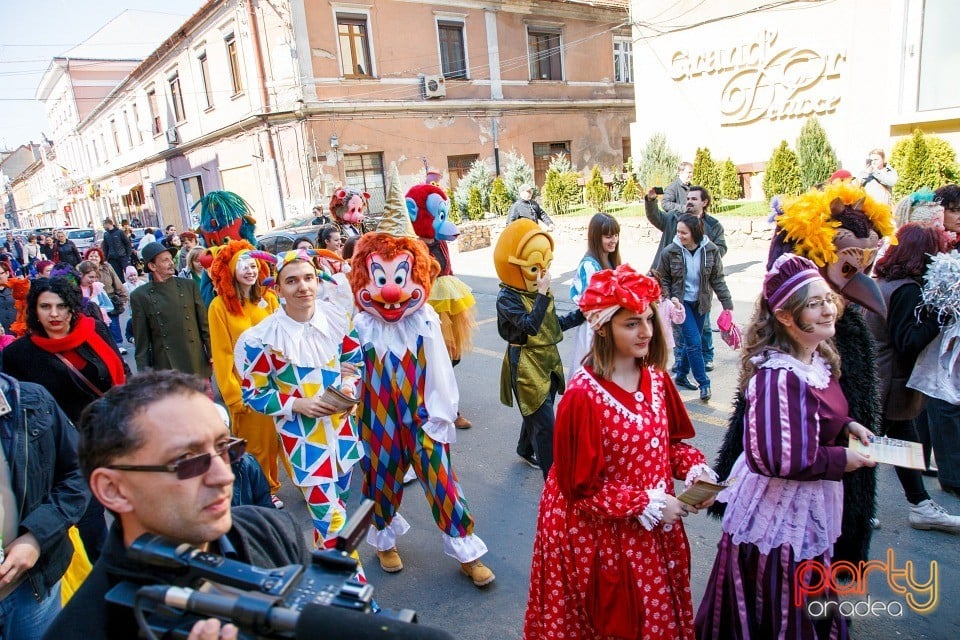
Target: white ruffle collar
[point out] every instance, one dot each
(816, 374)
(396, 337)
(313, 343)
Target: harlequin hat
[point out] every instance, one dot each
(613, 289)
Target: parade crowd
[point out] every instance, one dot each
(337, 358)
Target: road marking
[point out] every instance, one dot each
(487, 352)
(487, 321)
(714, 420)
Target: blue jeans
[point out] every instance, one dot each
(706, 343)
(943, 419)
(692, 330)
(115, 330)
(23, 618)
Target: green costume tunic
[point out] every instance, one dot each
(529, 368)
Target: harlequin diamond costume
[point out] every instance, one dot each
(281, 360)
(409, 397)
(839, 229)
(604, 564)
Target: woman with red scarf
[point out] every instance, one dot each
(74, 357)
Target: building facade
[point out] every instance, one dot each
(738, 80)
(283, 101)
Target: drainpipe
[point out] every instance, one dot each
(265, 98)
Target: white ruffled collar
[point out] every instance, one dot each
(313, 343)
(396, 337)
(816, 374)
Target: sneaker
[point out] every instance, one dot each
(478, 572)
(277, 502)
(929, 515)
(461, 422)
(390, 560)
(705, 393)
(683, 382)
(708, 366)
(531, 461)
(123, 351)
(874, 523)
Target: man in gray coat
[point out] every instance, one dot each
(675, 194)
(169, 318)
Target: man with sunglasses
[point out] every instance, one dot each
(157, 454)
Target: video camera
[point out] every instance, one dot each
(322, 601)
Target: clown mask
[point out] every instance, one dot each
(392, 293)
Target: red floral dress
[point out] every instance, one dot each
(597, 571)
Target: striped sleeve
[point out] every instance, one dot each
(782, 430)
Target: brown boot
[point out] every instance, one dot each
(390, 560)
(461, 422)
(478, 572)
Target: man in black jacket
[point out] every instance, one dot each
(116, 247)
(527, 207)
(157, 454)
(42, 494)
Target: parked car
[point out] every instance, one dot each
(283, 239)
(83, 238)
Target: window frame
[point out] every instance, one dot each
(153, 105)
(443, 23)
(537, 58)
(176, 97)
(204, 63)
(376, 188)
(233, 62)
(628, 41)
(356, 18)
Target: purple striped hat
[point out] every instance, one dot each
(788, 273)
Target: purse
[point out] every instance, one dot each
(86, 381)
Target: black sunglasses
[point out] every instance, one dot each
(234, 448)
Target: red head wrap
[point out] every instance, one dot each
(612, 290)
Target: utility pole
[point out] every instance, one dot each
(496, 146)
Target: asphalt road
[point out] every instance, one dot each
(503, 493)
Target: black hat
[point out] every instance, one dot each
(151, 251)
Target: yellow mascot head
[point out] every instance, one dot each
(523, 251)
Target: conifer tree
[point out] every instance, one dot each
(923, 161)
(597, 193)
(729, 181)
(817, 158)
(475, 204)
(706, 173)
(657, 164)
(782, 176)
(631, 191)
(500, 200)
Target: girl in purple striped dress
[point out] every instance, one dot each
(786, 504)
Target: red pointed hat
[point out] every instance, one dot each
(613, 289)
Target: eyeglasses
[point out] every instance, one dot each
(814, 304)
(231, 451)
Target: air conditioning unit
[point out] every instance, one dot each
(433, 87)
(173, 137)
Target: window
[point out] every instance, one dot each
(154, 111)
(622, 60)
(126, 126)
(939, 50)
(136, 122)
(544, 51)
(192, 190)
(458, 167)
(233, 56)
(453, 57)
(115, 136)
(176, 97)
(205, 78)
(543, 153)
(354, 46)
(365, 173)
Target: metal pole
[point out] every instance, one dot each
(496, 147)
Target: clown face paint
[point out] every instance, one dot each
(392, 293)
(535, 257)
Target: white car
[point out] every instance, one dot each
(83, 238)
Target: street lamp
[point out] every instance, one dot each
(334, 142)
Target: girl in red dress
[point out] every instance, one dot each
(611, 559)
